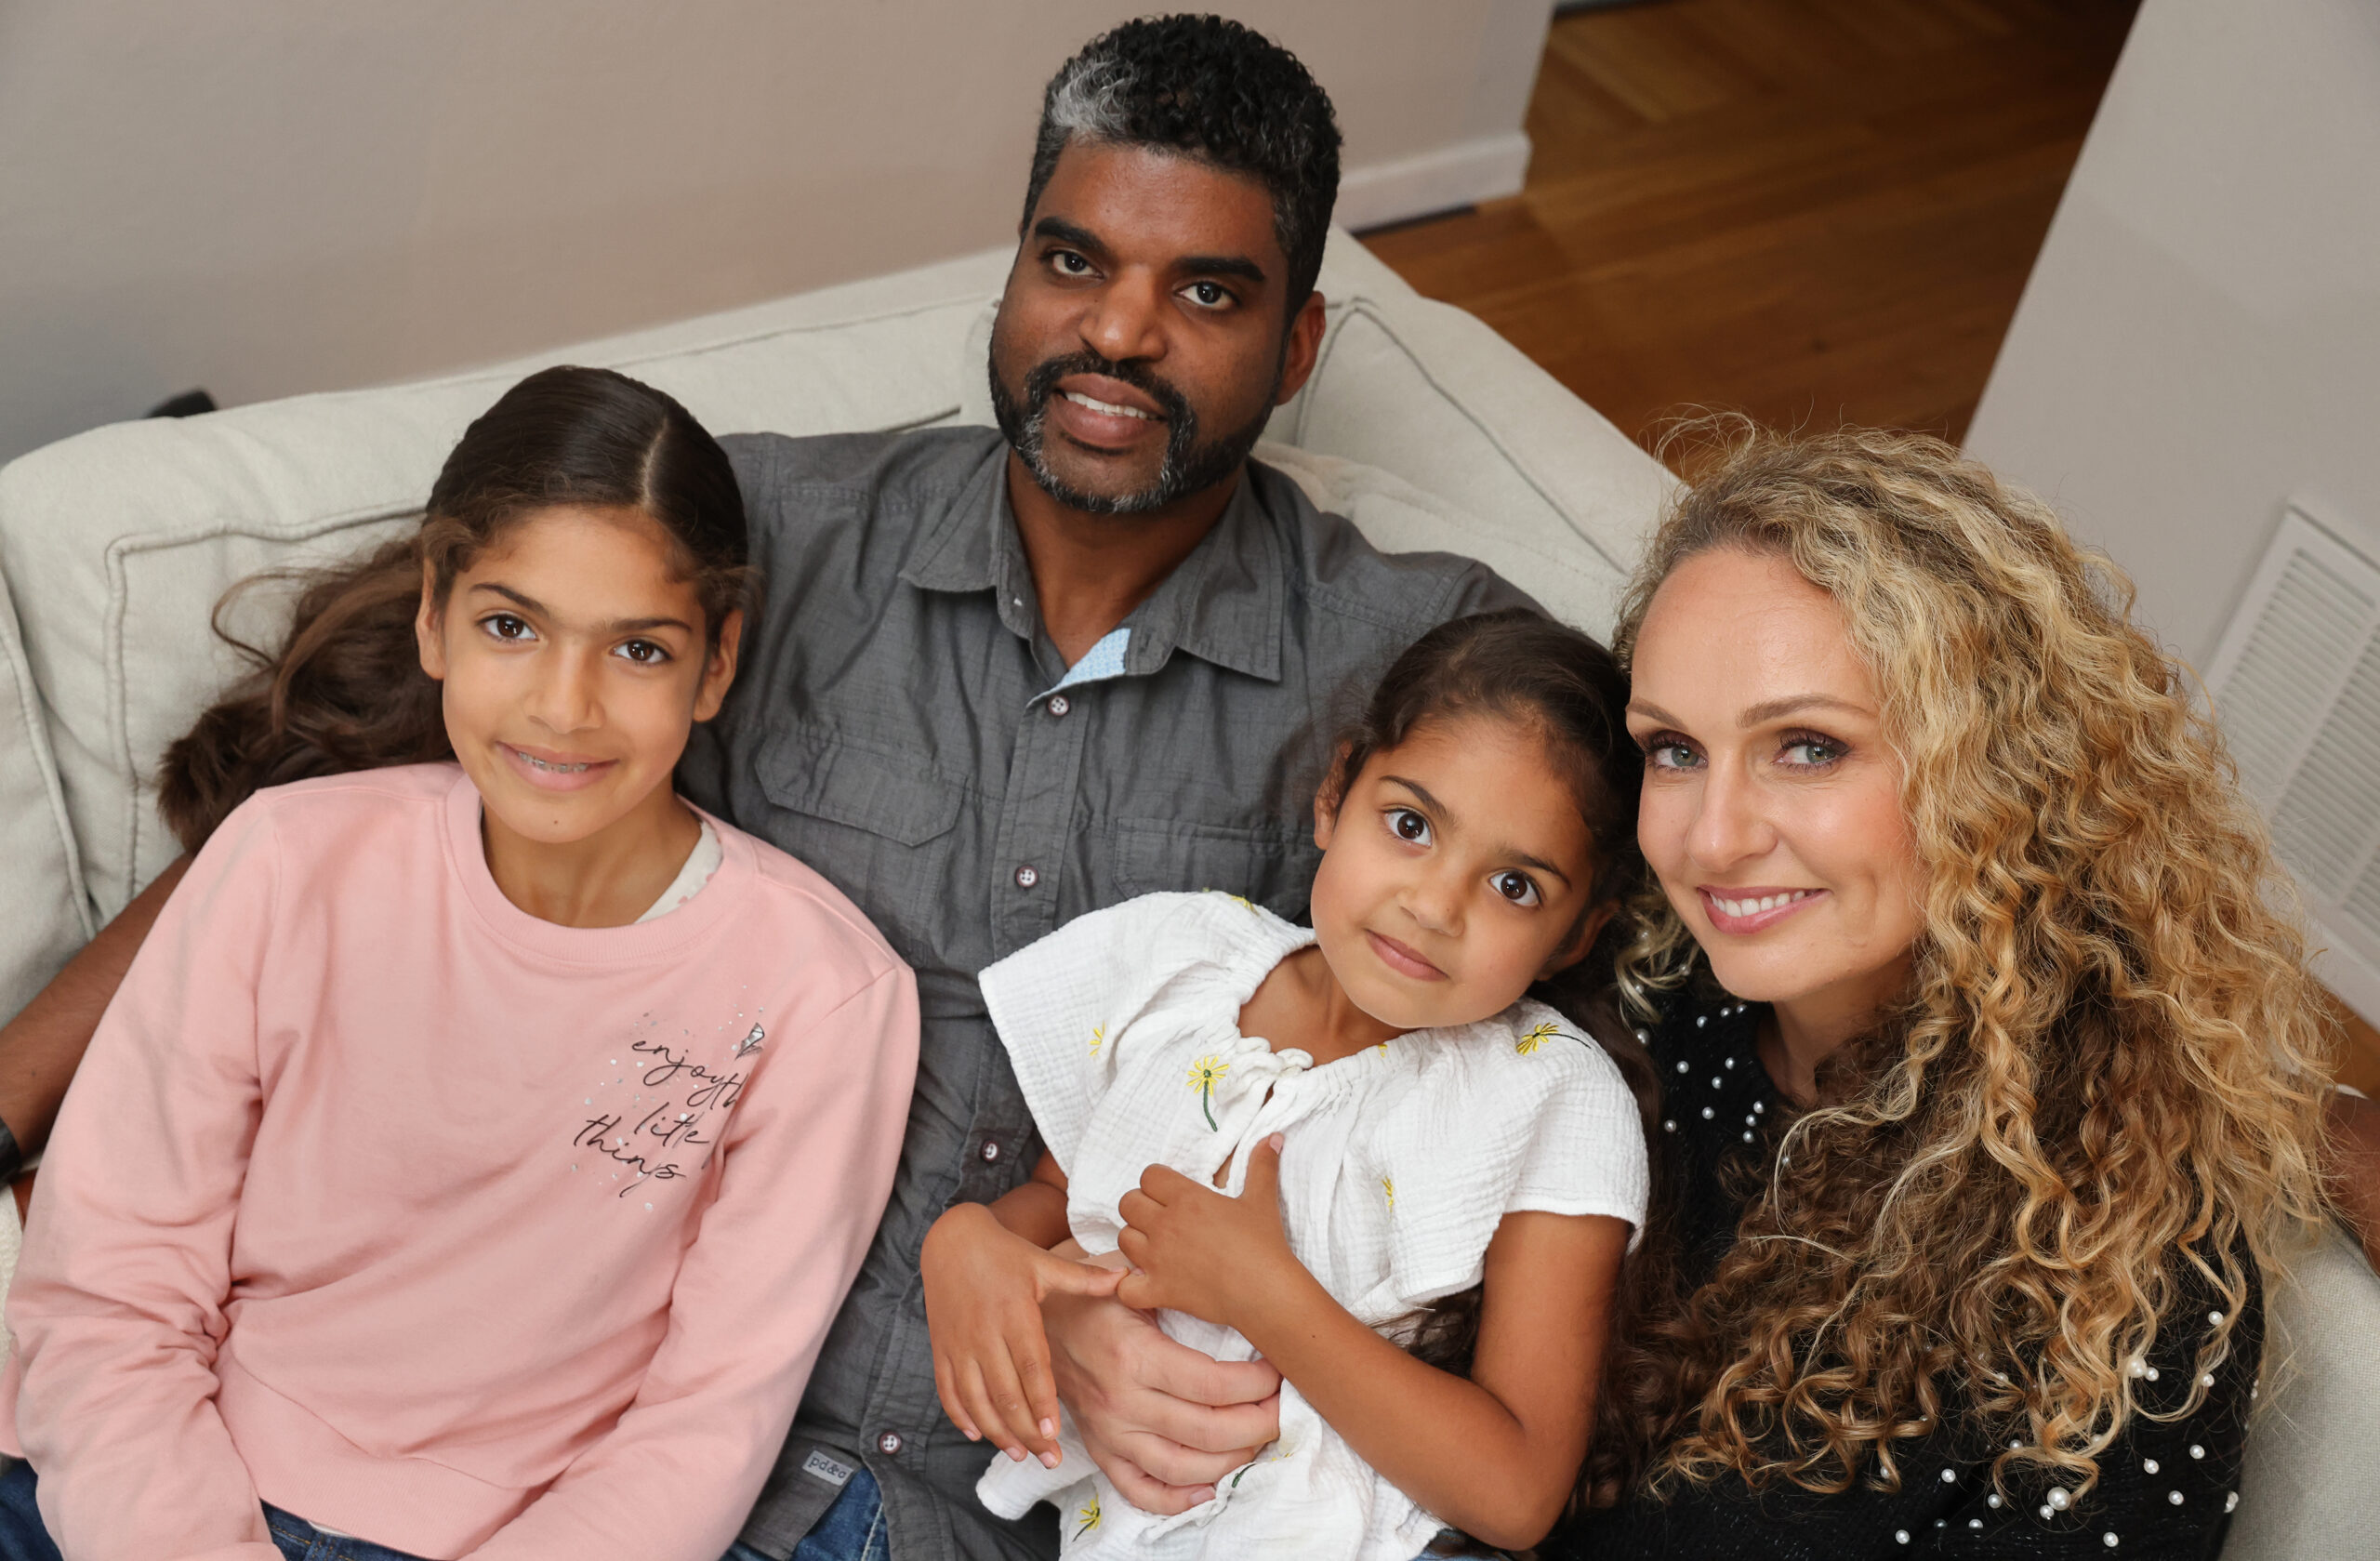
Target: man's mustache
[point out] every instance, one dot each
(1039, 385)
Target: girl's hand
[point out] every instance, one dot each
(985, 1285)
(1198, 1251)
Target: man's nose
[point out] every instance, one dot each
(1126, 318)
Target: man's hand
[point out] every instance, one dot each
(1161, 1420)
(1196, 1250)
(985, 1285)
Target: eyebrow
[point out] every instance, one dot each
(1763, 713)
(1067, 232)
(617, 625)
(1523, 857)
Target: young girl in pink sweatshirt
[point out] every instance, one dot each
(480, 1145)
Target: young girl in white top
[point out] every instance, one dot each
(1370, 1145)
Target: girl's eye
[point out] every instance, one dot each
(1810, 751)
(1409, 826)
(507, 629)
(1671, 753)
(1207, 295)
(1515, 887)
(644, 653)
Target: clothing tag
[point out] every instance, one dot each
(834, 1474)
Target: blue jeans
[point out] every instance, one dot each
(23, 1537)
(852, 1529)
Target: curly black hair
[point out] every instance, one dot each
(1209, 89)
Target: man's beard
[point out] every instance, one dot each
(1189, 467)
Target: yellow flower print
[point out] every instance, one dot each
(1098, 1039)
(1086, 1518)
(1388, 1185)
(1242, 901)
(1205, 1074)
(1528, 1044)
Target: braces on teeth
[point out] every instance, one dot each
(536, 763)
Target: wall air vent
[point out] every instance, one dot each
(2296, 687)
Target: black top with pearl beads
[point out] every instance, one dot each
(2167, 1489)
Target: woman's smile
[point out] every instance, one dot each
(1744, 911)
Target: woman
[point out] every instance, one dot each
(1993, 1074)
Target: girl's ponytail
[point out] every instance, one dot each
(345, 690)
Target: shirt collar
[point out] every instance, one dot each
(1225, 603)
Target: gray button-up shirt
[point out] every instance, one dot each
(902, 723)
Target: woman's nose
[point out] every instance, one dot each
(1729, 826)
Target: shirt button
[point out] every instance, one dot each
(889, 1443)
(1059, 705)
(1027, 876)
(991, 1150)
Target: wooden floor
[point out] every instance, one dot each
(1815, 211)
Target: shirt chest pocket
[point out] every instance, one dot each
(1270, 864)
(880, 827)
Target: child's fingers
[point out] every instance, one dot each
(1007, 1395)
(945, 1387)
(1139, 1292)
(1065, 1277)
(1134, 1243)
(984, 1410)
(1041, 1386)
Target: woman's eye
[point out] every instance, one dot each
(1409, 826)
(1515, 887)
(1207, 295)
(1807, 751)
(644, 653)
(1668, 753)
(505, 627)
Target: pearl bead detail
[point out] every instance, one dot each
(1708, 1113)
(2174, 1497)
(1949, 1477)
(1682, 1066)
(2197, 1451)
(2150, 1464)
(2231, 1502)
(2059, 1498)
(2110, 1536)
(1901, 1535)
(1992, 1499)
(1669, 1127)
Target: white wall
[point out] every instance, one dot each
(2200, 339)
(2200, 344)
(265, 198)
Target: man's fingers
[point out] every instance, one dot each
(1147, 1492)
(1202, 1378)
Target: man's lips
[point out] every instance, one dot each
(551, 770)
(1104, 414)
(1402, 960)
(1754, 908)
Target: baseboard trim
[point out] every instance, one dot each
(1379, 193)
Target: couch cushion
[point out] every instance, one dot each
(48, 917)
(117, 543)
(2306, 1492)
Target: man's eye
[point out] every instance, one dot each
(1070, 263)
(1409, 826)
(1207, 295)
(1517, 888)
(503, 626)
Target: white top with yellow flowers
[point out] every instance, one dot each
(1398, 1164)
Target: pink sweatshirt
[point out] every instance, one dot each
(436, 1224)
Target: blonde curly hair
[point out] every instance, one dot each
(2109, 1059)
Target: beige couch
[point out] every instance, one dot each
(1420, 424)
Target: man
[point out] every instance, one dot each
(1001, 679)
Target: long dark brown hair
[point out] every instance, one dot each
(345, 691)
(1516, 666)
